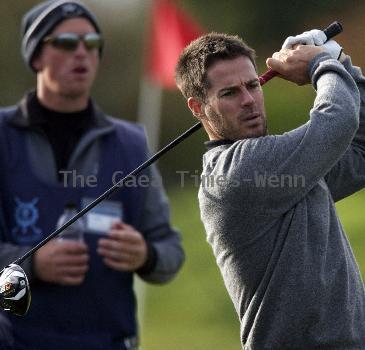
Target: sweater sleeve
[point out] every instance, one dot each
(348, 174)
(163, 240)
(262, 171)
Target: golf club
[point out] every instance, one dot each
(332, 30)
(15, 295)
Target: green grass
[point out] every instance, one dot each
(194, 312)
(351, 211)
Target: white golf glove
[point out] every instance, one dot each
(314, 37)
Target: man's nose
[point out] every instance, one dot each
(246, 97)
(81, 49)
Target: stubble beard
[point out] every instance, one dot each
(218, 127)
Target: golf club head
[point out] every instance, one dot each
(14, 290)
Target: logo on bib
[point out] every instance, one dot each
(26, 216)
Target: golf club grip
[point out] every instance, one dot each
(332, 30)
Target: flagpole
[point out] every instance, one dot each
(148, 114)
(169, 30)
(149, 111)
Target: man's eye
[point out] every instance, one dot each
(254, 85)
(228, 93)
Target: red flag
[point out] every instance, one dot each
(171, 30)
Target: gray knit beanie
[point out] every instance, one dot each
(39, 21)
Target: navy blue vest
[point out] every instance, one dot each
(101, 312)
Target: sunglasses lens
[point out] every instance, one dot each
(67, 42)
(93, 41)
(70, 41)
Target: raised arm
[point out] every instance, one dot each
(308, 152)
(348, 174)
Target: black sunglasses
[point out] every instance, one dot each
(70, 41)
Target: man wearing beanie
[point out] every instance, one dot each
(57, 147)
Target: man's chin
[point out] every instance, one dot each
(75, 93)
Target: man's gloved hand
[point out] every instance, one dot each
(292, 65)
(333, 49)
(314, 37)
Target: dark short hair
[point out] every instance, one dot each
(200, 54)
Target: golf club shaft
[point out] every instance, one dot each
(332, 30)
(112, 189)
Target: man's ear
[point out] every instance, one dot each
(37, 63)
(196, 107)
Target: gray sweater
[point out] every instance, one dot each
(267, 205)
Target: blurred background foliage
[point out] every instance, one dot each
(194, 311)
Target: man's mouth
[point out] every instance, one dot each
(80, 70)
(251, 116)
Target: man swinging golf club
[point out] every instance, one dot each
(283, 254)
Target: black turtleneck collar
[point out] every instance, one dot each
(63, 130)
(40, 115)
